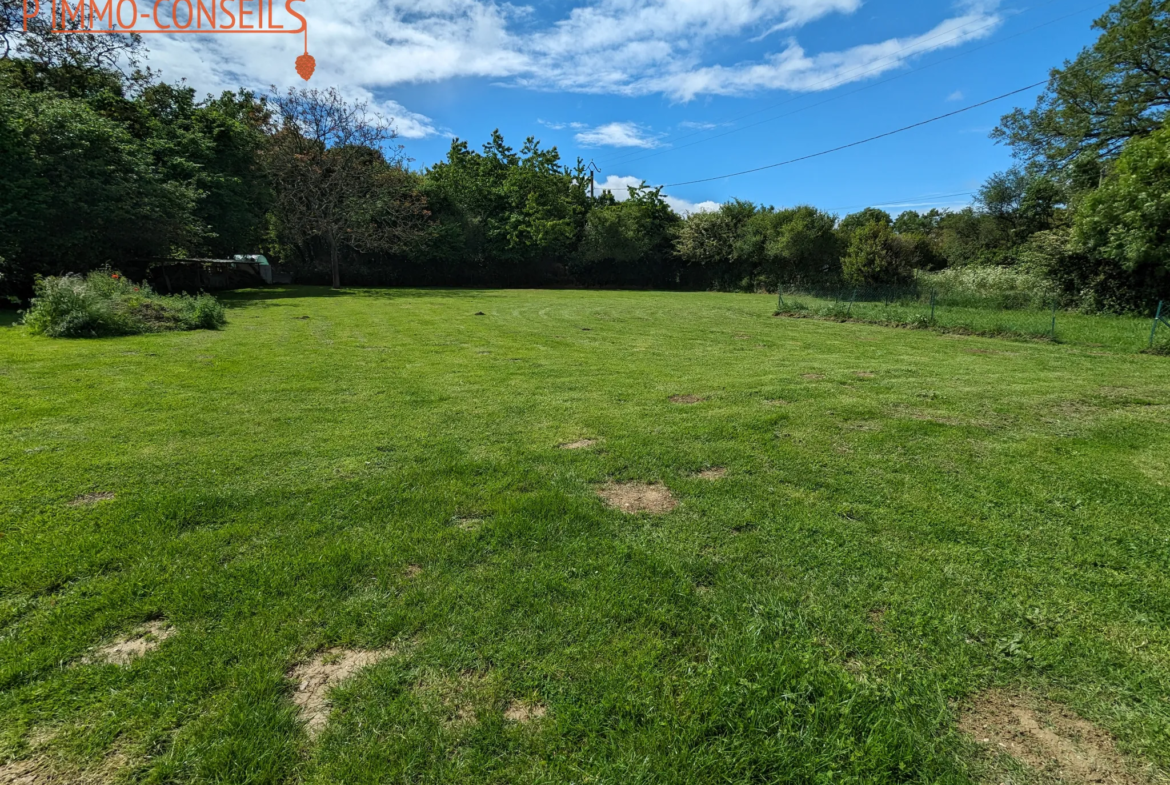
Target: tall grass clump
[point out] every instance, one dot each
(989, 287)
(105, 303)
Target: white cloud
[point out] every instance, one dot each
(619, 47)
(620, 188)
(618, 135)
(698, 126)
(410, 125)
(562, 126)
(956, 96)
(793, 69)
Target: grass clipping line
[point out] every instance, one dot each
(1048, 739)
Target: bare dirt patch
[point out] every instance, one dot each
(43, 770)
(813, 377)
(581, 445)
(328, 670)
(877, 618)
(468, 523)
(635, 497)
(687, 400)
(413, 571)
(524, 712)
(717, 473)
(144, 640)
(90, 499)
(1047, 738)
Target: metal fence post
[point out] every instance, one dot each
(1157, 319)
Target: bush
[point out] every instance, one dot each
(106, 303)
(989, 286)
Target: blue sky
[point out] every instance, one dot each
(676, 90)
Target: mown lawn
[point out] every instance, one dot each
(907, 520)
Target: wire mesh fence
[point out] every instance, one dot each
(1020, 315)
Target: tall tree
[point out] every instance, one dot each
(1115, 90)
(334, 180)
(1127, 220)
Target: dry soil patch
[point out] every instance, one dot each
(813, 377)
(90, 499)
(581, 445)
(687, 399)
(328, 670)
(1048, 739)
(717, 473)
(144, 640)
(635, 497)
(45, 771)
(413, 571)
(524, 712)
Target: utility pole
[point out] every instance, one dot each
(593, 169)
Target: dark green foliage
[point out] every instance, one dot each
(105, 303)
(876, 255)
(1112, 92)
(742, 247)
(508, 215)
(629, 242)
(93, 177)
(1126, 222)
(79, 191)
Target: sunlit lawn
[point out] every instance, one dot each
(907, 519)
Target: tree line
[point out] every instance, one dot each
(104, 164)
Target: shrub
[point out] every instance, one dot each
(989, 286)
(106, 303)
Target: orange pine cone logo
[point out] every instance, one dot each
(306, 65)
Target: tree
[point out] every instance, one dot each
(75, 51)
(517, 213)
(1127, 220)
(1116, 90)
(876, 256)
(718, 248)
(628, 242)
(851, 223)
(333, 182)
(79, 191)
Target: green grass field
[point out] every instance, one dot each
(907, 521)
(1120, 333)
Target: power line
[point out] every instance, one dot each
(910, 202)
(863, 141)
(627, 159)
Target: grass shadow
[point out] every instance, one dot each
(270, 297)
(9, 318)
